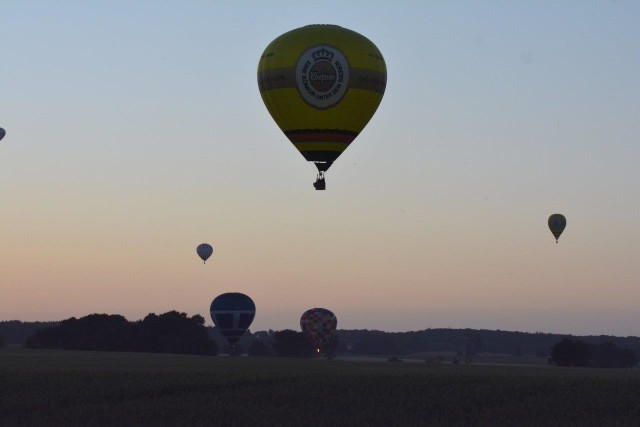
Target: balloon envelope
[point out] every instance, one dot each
(321, 84)
(2, 133)
(319, 325)
(204, 251)
(232, 313)
(557, 223)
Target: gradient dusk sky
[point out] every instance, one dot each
(135, 131)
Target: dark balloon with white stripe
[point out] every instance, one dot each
(204, 251)
(2, 133)
(232, 313)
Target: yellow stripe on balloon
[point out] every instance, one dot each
(352, 113)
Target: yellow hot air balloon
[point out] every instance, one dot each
(322, 84)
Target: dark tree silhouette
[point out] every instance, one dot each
(2, 342)
(233, 350)
(289, 343)
(16, 332)
(474, 344)
(379, 343)
(605, 355)
(364, 342)
(45, 338)
(94, 332)
(570, 353)
(628, 358)
(173, 332)
(259, 348)
(608, 355)
(170, 332)
(330, 348)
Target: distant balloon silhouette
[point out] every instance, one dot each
(319, 325)
(232, 313)
(557, 223)
(204, 251)
(2, 133)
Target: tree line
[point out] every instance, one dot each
(171, 332)
(175, 332)
(16, 332)
(372, 342)
(578, 353)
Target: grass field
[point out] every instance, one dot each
(84, 388)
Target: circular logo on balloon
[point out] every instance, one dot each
(322, 76)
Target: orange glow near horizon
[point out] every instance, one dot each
(119, 161)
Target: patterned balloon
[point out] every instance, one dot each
(557, 223)
(204, 251)
(321, 84)
(319, 325)
(233, 313)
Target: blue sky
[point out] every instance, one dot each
(135, 131)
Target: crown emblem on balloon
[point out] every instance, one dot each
(322, 54)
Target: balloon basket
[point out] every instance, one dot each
(320, 183)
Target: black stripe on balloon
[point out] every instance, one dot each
(314, 135)
(321, 156)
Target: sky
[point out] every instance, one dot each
(136, 131)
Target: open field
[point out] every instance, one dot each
(448, 356)
(84, 388)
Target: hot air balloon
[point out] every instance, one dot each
(232, 313)
(319, 325)
(2, 133)
(204, 251)
(557, 223)
(321, 84)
